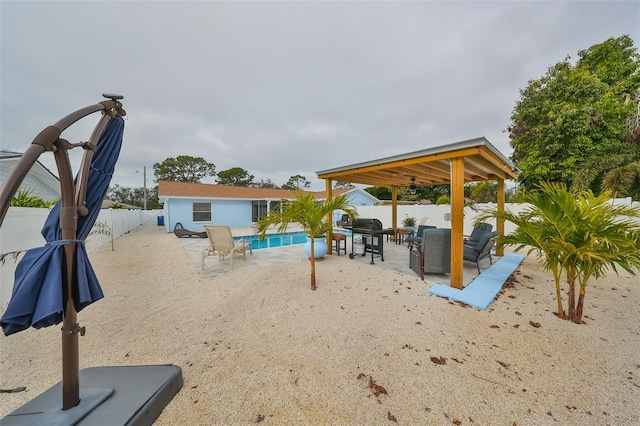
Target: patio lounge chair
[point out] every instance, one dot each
(182, 233)
(433, 254)
(481, 249)
(478, 230)
(221, 244)
(417, 239)
(344, 221)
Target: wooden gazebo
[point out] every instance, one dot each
(473, 160)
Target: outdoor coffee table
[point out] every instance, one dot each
(401, 233)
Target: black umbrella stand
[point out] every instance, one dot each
(131, 395)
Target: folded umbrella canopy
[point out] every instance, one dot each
(37, 298)
(52, 283)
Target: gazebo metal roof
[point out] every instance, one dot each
(482, 161)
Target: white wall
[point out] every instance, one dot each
(121, 221)
(22, 226)
(38, 181)
(434, 213)
(21, 231)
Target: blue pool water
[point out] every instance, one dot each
(279, 240)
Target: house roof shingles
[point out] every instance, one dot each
(203, 190)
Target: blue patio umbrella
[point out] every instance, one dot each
(37, 298)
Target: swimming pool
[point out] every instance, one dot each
(280, 239)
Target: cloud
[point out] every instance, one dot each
(286, 88)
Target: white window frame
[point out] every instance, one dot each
(201, 212)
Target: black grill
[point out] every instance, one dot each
(371, 234)
(368, 224)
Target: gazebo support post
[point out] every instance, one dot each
(457, 221)
(500, 221)
(394, 207)
(328, 189)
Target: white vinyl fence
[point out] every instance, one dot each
(21, 229)
(437, 215)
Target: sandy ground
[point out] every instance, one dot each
(258, 346)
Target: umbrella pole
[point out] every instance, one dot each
(72, 205)
(70, 327)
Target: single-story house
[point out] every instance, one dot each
(195, 205)
(39, 181)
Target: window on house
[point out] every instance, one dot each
(258, 210)
(202, 212)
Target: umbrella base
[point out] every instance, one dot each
(127, 395)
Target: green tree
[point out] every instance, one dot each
(297, 182)
(380, 192)
(574, 113)
(433, 192)
(152, 198)
(514, 195)
(404, 194)
(577, 233)
(483, 192)
(235, 176)
(138, 197)
(614, 62)
(126, 195)
(616, 170)
(134, 196)
(265, 184)
(184, 168)
(343, 185)
(120, 194)
(311, 215)
(443, 199)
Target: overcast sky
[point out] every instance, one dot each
(285, 88)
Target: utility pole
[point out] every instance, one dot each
(144, 187)
(144, 176)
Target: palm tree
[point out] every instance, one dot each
(623, 180)
(539, 228)
(575, 232)
(312, 217)
(606, 236)
(618, 169)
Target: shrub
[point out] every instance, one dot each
(26, 198)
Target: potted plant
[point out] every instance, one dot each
(311, 215)
(409, 222)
